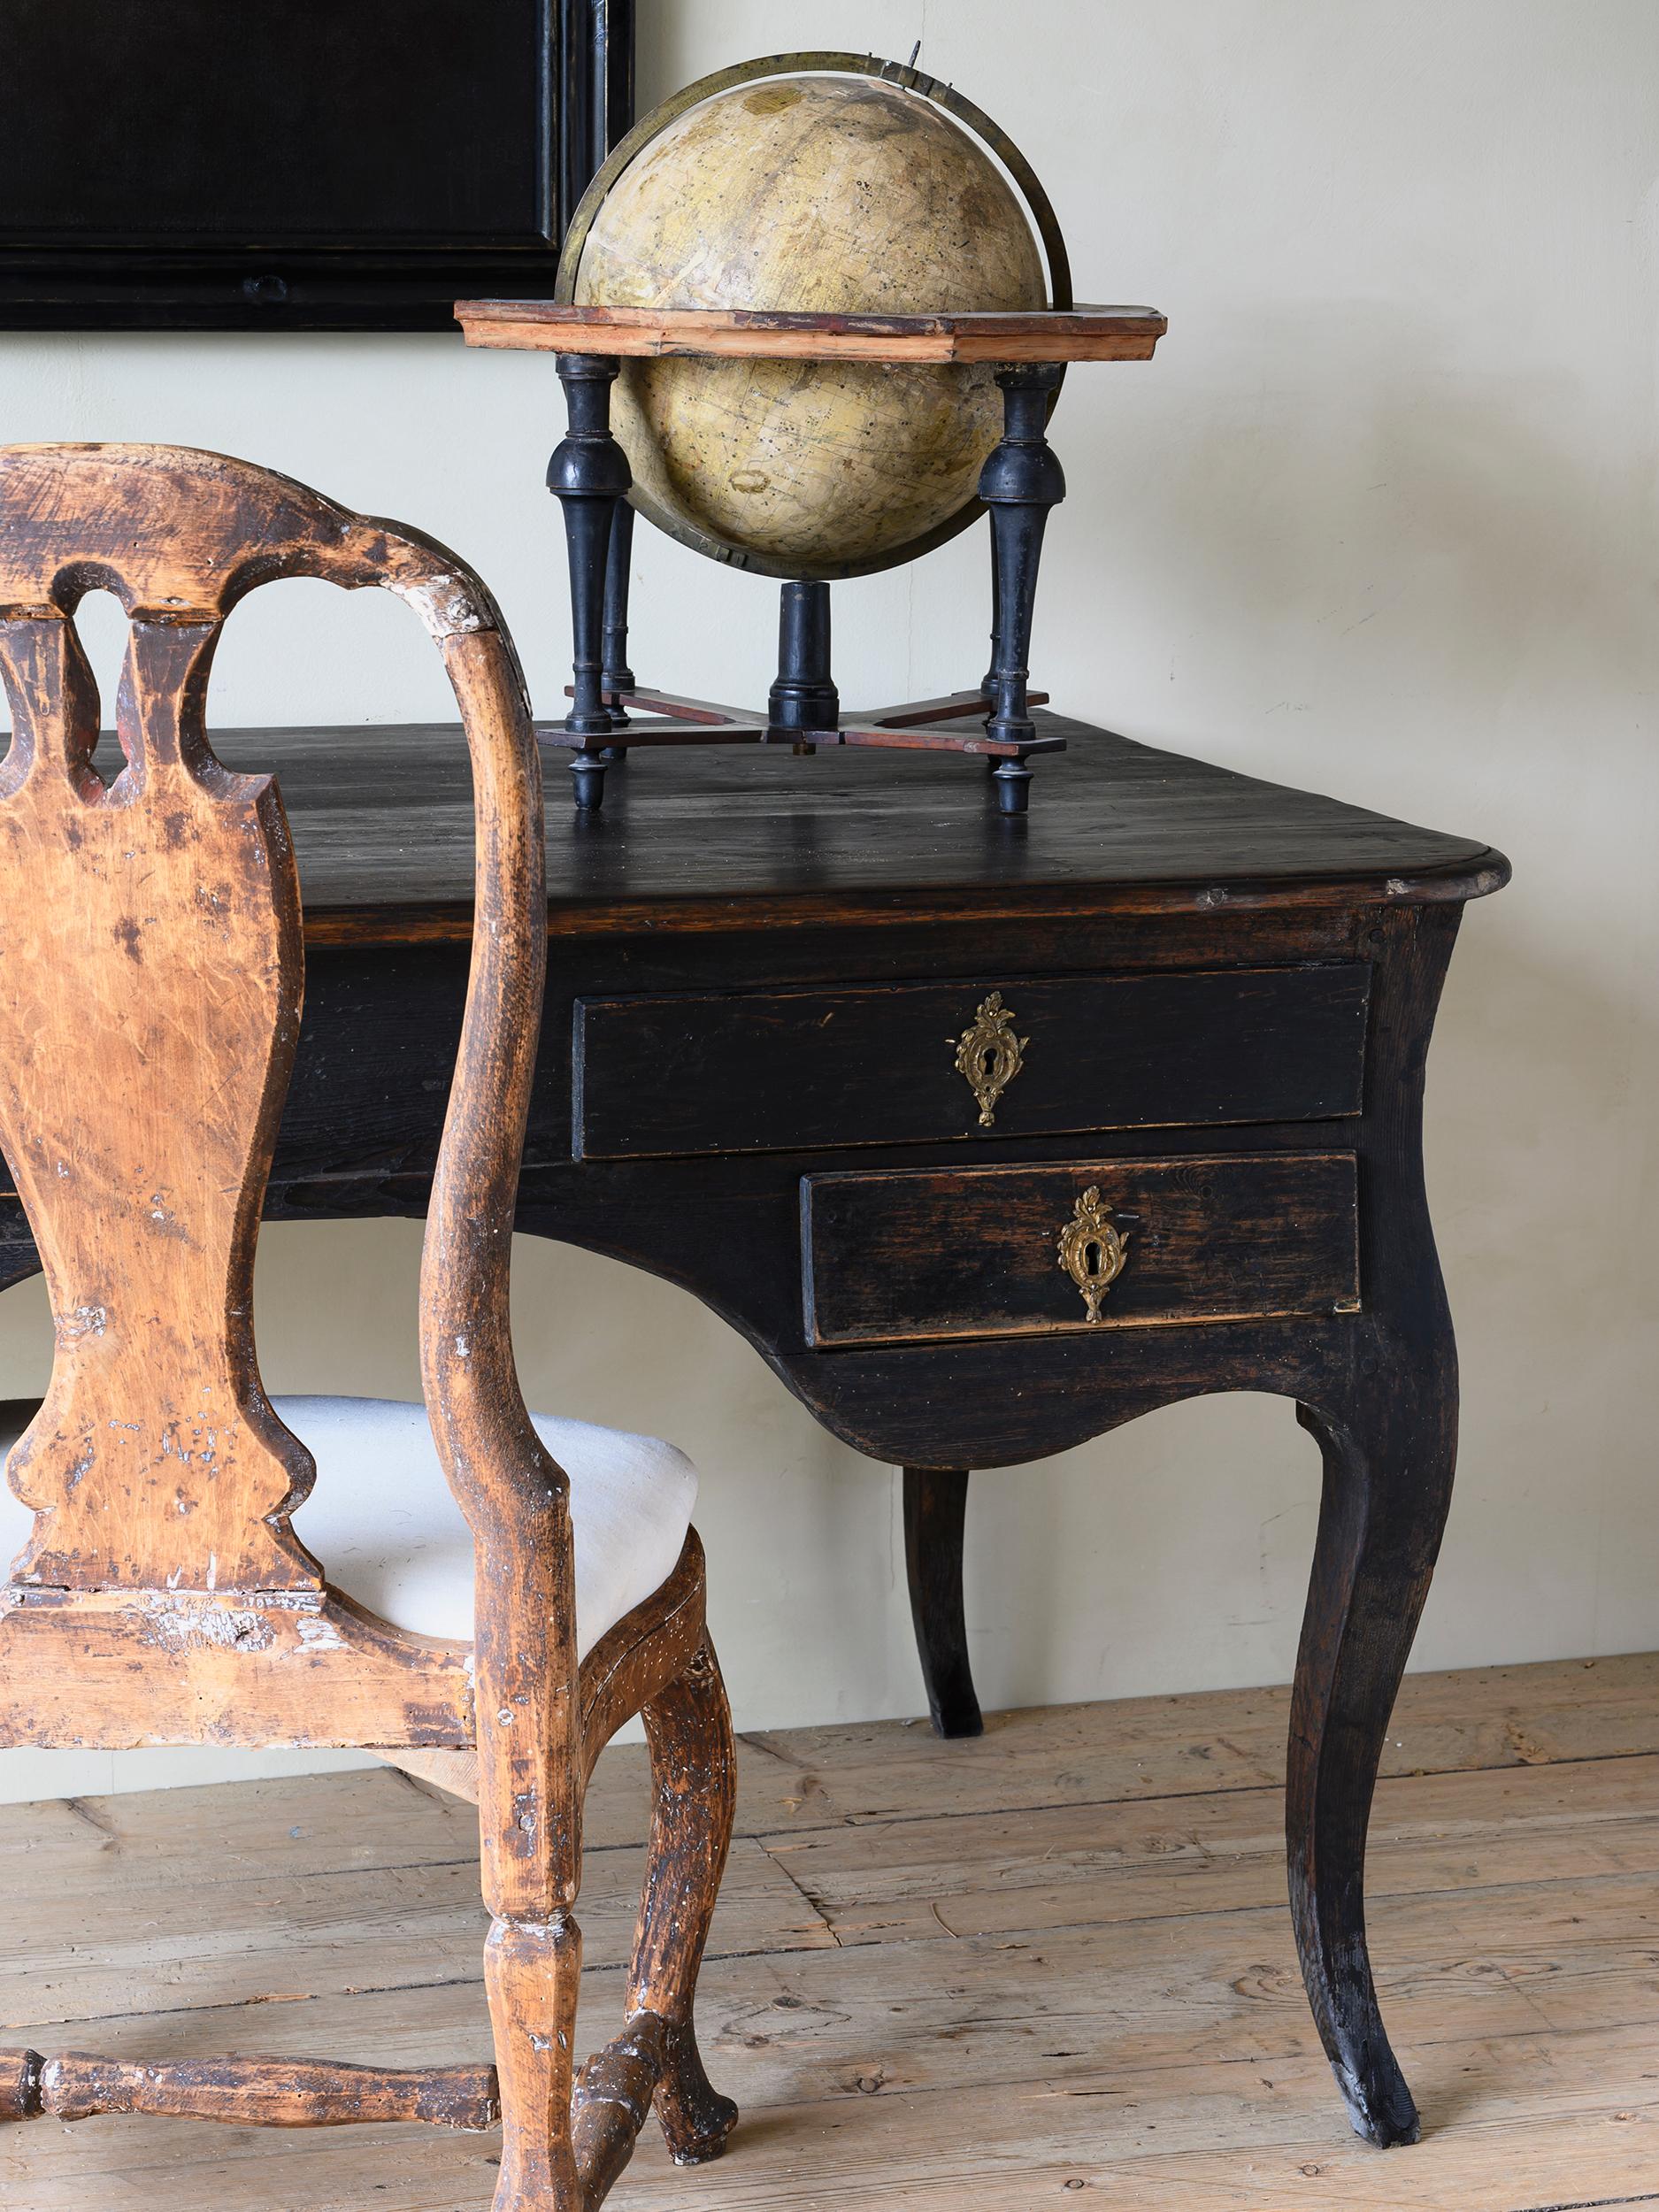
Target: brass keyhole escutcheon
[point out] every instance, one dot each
(989, 1056)
(1092, 1251)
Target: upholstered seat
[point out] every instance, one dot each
(389, 1533)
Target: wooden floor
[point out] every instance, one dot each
(967, 1977)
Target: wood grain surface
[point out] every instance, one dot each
(972, 1252)
(989, 335)
(789, 1071)
(942, 1975)
(704, 840)
(126, 1667)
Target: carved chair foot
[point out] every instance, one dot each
(613, 2096)
(696, 2120)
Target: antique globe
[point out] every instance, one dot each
(828, 194)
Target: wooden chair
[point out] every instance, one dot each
(166, 1593)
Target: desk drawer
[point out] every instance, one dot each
(806, 1070)
(1011, 1251)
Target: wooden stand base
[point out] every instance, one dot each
(589, 475)
(703, 722)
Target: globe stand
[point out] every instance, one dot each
(804, 697)
(589, 475)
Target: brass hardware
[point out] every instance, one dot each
(1090, 1232)
(989, 1056)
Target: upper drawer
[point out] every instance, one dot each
(789, 1071)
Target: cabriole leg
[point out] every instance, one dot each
(935, 1511)
(1387, 1422)
(1388, 1461)
(693, 1783)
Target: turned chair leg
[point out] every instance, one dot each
(533, 1976)
(935, 1510)
(693, 1783)
(1388, 1463)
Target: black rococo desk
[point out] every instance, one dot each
(988, 1131)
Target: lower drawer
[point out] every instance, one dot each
(1010, 1251)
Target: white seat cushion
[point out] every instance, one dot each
(389, 1533)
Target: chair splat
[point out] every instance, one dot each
(151, 944)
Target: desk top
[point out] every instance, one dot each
(727, 838)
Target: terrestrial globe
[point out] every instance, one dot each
(825, 194)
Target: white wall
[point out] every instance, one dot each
(1378, 520)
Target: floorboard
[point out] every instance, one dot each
(1054, 1964)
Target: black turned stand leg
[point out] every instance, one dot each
(936, 1506)
(616, 676)
(987, 682)
(589, 476)
(1020, 482)
(804, 696)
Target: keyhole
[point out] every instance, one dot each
(1094, 1258)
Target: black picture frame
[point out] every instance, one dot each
(296, 165)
